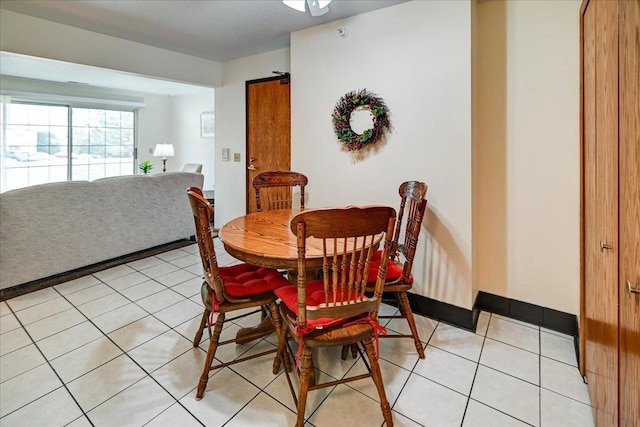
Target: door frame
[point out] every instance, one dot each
(581, 311)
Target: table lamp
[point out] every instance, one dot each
(164, 151)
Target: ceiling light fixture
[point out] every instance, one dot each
(316, 7)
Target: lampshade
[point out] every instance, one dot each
(164, 150)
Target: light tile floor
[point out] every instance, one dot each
(114, 349)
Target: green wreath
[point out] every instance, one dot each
(342, 119)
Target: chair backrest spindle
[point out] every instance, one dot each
(399, 278)
(202, 214)
(412, 200)
(349, 239)
(274, 189)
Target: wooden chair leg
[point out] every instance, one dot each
(203, 324)
(406, 309)
(281, 354)
(345, 352)
(354, 351)
(307, 378)
(377, 379)
(213, 346)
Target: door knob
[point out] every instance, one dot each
(604, 246)
(630, 290)
(251, 167)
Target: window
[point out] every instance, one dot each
(48, 143)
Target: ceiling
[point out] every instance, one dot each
(219, 30)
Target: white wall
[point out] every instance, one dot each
(524, 160)
(529, 152)
(153, 127)
(417, 57)
(45, 39)
(189, 146)
(231, 128)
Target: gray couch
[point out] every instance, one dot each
(54, 228)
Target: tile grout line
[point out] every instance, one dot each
(148, 374)
(567, 397)
(247, 404)
(539, 353)
(540, 358)
(116, 291)
(540, 377)
(171, 328)
(478, 364)
(73, 306)
(484, 338)
(502, 412)
(48, 362)
(411, 371)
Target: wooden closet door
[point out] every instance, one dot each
(629, 363)
(600, 327)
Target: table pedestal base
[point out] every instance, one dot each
(263, 329)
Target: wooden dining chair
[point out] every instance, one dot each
(334, 311)
(228, 289)
(399, 278)
(274, 190)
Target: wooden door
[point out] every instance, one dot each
(600, 133)
(268, 129)
(629, 338)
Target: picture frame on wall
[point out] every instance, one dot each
(207, 124)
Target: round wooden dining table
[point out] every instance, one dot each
(265, 239)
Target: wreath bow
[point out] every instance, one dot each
(341, 118)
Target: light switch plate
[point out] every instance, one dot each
(236, 157)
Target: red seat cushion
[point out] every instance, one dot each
(394, 271)
(315, 296)
(244, 280)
